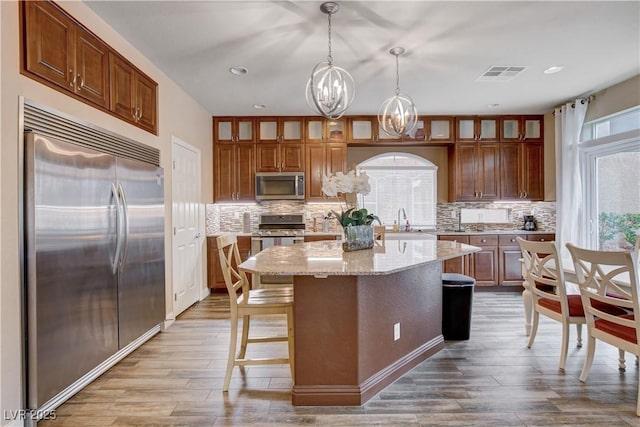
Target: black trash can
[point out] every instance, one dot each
(457, 296)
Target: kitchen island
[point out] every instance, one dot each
(361, 319)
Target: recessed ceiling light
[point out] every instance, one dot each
(493, 105)
(554, 69)
(259, 106)
(238, 70)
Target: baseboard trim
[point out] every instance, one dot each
(355, 395)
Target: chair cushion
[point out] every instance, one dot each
(575, 305)
(623, 332)
(577, 310)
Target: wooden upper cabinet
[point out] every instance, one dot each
(319, 129)
(521, 171)
(474, 171)
(233, 129)
(133, 95)
(64, 54)
(234, 172)
(279, 129)
(476, 128)
(322, 159)
(274, 157)
(362, 129)
(522, 128)
(366, 129)
(146, 101)
(438, 128)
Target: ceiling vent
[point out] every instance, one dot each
(500, 73)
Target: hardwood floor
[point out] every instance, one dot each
(491, 379)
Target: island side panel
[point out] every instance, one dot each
(345, 351)
(412, 298)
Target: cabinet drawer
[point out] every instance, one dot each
(510, 239)
(455, 238)
(484, 240)
(541, 237)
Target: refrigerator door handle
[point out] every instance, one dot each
(116, 256)
(125, 216)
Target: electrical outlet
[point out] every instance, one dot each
(236, 215)
(454, 214)
(307, 215)
(396, 331)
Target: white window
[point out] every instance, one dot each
(401, 181)
(611, 172)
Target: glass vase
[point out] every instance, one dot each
(357, 237)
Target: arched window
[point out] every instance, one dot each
(401, 181)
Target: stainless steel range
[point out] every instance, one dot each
(275, 230)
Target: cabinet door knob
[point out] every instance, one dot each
(483, 240)
(81, 85)
(73, 81)
(513, 240)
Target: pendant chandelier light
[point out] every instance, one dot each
(330, 89)
(398, 115)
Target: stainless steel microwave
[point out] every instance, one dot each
(279, 186)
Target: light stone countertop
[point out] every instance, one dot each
(326, 258)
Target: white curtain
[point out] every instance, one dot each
(569, 208)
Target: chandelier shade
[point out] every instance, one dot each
(330, 89)
(398, 114)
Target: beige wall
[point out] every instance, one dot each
(609, 101)
(616, 98)
(179, 115)
(436, 155)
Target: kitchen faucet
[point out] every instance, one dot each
(404, 217)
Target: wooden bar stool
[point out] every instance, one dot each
(246, 303)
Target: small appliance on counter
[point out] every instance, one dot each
(530, 223)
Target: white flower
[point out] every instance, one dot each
(345, 183)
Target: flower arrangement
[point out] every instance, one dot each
(351, 182)
(346, 183)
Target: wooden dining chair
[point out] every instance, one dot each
(245, 303)
(548, 292)
(609, 279)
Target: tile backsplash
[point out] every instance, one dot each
(228, 217)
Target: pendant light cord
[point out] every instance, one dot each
(329, 57)
(397, 77)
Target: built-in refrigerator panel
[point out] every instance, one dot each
(70, 241)
(141, 302)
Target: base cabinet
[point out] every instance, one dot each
(499, 261)
(215, 278)
(484, 264)
(458, 265)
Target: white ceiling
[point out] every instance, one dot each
(449, 45)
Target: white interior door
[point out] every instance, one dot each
(187, 239)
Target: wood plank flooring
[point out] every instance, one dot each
(175, 379)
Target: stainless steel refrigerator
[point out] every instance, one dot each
(94, 259)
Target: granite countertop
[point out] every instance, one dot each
(401, 233)
(326, 258)
(496, 232)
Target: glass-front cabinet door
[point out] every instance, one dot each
(488, 129)
(522, 128)
(360, 129)
(465, 129)
(314, 129)
(418, 134)
(290, 129)
(233, 129)
(335, 130)
(439, 129)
